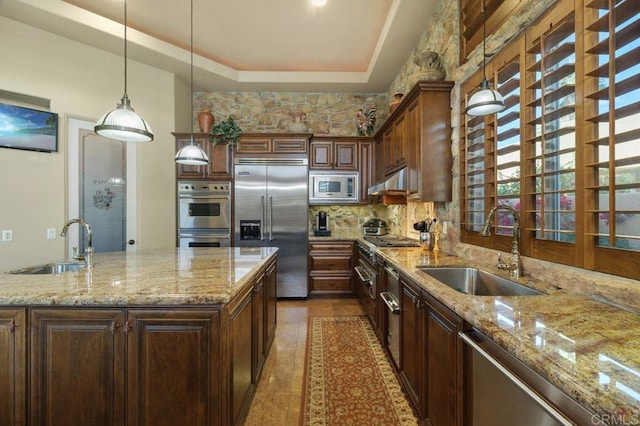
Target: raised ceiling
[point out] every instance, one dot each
(247, 45)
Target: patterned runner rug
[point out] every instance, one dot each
(349, 379)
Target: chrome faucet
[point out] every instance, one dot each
(88, 252)
(514, 267)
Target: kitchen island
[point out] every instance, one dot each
(162, 337)
(587, 349)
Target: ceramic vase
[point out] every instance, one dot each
(395, 102)
(205, 120)
(298, 125)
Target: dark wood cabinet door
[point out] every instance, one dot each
(271, 281)
(259, 342)
(76, 367)
(346, 155)
(399, 141)
(219, 162)
(13, 373)
(219, 166)
(444, 364)
(411, 345)
(172, 361)
(241, 357)
(413, 146)
(366, 169)
(321, 155)
(186, 171)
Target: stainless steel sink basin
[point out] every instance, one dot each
(50, 268)
(479, 283)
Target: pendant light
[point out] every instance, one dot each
(485, 100)
(192, 154)
(123, 123)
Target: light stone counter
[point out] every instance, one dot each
(588, 349)
(155, 277)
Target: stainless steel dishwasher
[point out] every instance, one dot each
(499, 396)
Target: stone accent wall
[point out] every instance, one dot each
(346, 221)
(326, 113)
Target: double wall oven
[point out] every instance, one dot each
(204, 214)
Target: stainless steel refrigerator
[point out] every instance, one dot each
(271, 210)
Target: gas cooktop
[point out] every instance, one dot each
(391, 241)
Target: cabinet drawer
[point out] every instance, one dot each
(253, 146)
(287, 146)
(330, 263)
(330, 285)
(344, 246)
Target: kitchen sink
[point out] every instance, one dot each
(479, 283)
(50, 268)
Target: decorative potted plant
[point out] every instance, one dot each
(226, 131)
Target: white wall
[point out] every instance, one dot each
(80, 81)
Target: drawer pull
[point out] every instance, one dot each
(12, 326)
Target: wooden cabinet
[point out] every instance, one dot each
(170, 371)
(172, 366)
(333, 154)
(13, 370)
(219, 166)
(417, 135)
(276, 143)
(412, 345)
(431, 366)
(331, 266)
(270, 306)
(444, 364)
(344, 153)
(77, 370)
(241, 356)
(366, 169)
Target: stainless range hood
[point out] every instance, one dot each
(396, 184)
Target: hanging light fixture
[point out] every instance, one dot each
(192, 154)
(485, 100)
(123, 123)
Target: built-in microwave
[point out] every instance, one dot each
(333, 187)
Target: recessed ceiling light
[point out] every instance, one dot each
(318, 3)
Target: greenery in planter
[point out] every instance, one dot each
(226, 131)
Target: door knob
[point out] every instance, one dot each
(131, 242)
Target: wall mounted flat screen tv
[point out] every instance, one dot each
(26, 128)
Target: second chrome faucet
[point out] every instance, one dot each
(88, 252)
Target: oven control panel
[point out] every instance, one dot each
(203, 187)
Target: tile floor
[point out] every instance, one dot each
(278, 396)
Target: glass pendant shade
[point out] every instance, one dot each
(192, 155)
(485, 101)
(124, 124)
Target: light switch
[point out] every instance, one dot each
(51, 233)
(7, 235)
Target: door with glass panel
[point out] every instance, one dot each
(98, 182)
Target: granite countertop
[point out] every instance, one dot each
(588, 349)
(155, 277)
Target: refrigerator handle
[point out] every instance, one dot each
(262, 221)
(271, 218)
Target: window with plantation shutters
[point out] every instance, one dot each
(612, 151)
(507, 153)
(565, 152)
(550, 136)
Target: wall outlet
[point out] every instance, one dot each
(51, 233)
(7, 235)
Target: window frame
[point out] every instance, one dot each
(584, 252)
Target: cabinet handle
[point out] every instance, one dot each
(418, 304)
(127, 327)
(12, 326)
(113, 326)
